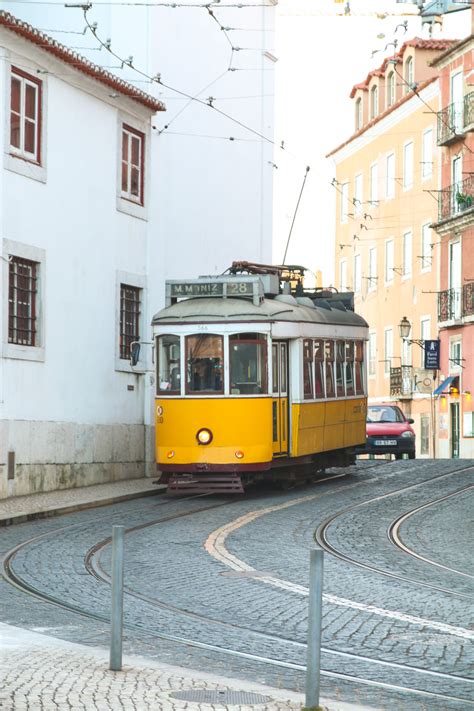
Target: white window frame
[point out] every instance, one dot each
(455, 354)
(390, 89)
(358, 113)
(358, 193)
(357, 273)
(33, 254)
(124, 204)
(409, 74)
(343, 275)
(387, 350)
(427, 154)
(408, 164)
(138, 281)
(390, 176)
(372, 354)
(344, 202)
(389, 260)
(374, 101)
(374, 184)
(407, 255)
(425, 334)
(426, 251)
(372, 280)
(25, 80)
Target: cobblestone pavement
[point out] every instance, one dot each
(178, 591)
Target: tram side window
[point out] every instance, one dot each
(168, 365)
(340, 368)
(248, 364)
(349, 367)
(329, 368)
(359, 367)
(204, 361)
(308, 369)
(318, 369)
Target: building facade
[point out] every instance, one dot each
(386, 177)
(454, 227)
(77, 220)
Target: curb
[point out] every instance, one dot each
(49, 513)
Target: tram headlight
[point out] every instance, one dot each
(204, 436)
(239, 454)
(170, 454)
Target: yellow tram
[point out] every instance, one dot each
(255, 375)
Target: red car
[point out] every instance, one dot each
(388, 432)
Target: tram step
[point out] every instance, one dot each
(205, 484)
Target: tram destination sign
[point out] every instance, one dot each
(216, 289)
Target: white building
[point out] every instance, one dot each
(77, 219)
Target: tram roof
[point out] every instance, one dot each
(282, 308)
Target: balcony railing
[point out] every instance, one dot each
(458, 198)
(401, 381)
(449, 305)
(455, 119)
(468, 299)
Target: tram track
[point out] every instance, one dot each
(94, 567)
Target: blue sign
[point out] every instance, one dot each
(432, 351)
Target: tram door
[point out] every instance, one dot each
(280, 397)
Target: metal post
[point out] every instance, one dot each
(313, 663)
(116, 620)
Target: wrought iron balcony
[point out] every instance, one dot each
(468, 299)
(458, 198)
(401, 381)
(455, 119)
(449, 305)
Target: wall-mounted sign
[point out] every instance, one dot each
(432, 353)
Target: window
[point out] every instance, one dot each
(407, 255)
(168, 364)
(343, 276)
(389, 248)
(390, 176)
(319, 369)
(340, 352)
(425, 331)
(426, 255)
(349, 368)
(133, 143)
(424, 434)
(358, 114)
(359, 367)
(372, 353)
(374, 184)
(129, 318)
(409, 75)
(374, 102)
(22, 302)
(329, 368)
(357, 273)
(455, 356)
(344, 201)
(408, 166)
(25, 115)
(308, 369)
(388, 350)
(357, 199)
(372, 281)
(456, 167)
(204, 360)
(391, 89)
(406, 355)
(248, 364)
(427, 154)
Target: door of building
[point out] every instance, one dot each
(455, 430)
(280, 397)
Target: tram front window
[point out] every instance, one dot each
(204, 359)
(168, 350)
(248, 364)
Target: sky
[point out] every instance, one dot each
(320, 57)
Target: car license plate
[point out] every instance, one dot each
(385, 442)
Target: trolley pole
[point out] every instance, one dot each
(116, 618)
(313, 663)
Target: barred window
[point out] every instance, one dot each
(129, 318)
(22, 302)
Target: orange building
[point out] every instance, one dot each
(387, 175)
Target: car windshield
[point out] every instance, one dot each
(384, 414)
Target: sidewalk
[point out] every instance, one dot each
(41, 673)
(19, 509)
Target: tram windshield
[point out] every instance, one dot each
(248, 364)
(204, 363)
(168, 356)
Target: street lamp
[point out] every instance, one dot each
(405, 327)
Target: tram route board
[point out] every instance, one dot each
(234, 288)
